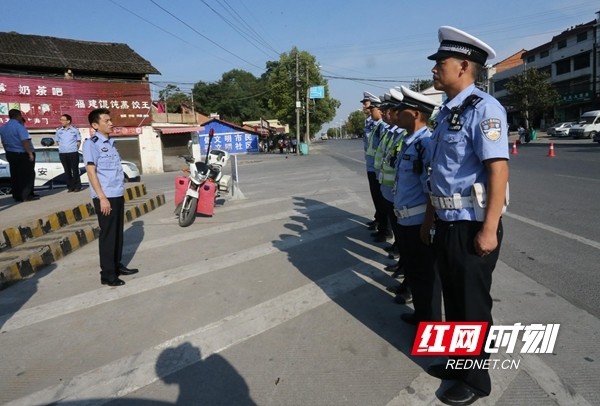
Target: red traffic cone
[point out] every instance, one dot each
(514, 148)
(551, 150)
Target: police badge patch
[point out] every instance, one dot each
(491, 128)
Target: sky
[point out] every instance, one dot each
(359, 45)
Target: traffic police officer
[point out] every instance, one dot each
(410, 203)
(470, 160)
(69, 141)
(20, 156)
(103, 166)
(373, 140)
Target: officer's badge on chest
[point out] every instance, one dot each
(491, 128)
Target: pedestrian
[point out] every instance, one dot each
(107, 187)
(470, 161)
(412, 111)
(20, 156)
(69, 140)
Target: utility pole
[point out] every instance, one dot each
(298, 105)
(307, 137)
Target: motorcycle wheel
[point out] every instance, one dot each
(187, 214)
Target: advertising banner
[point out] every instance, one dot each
(44, 100)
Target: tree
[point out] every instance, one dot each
(356, 123)
(238, 96)
(282, 83)
(418, 85)
(173, 97)
(532, 94)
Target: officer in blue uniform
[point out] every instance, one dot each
(377, 128)
(412, 112)
(468, 185)
(20, 156)
(69, 140)
(369, 123)
(103, 166)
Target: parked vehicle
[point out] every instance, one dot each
(49, 172)
(588, 126)
(204, 181)
(560, 129)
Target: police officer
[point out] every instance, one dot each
(69, 140)
(20, 156)
(468, 184)
(373, 138)
(412, 112)
(103, 166)
(366, 103)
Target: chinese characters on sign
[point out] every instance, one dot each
(466, 338)
(231, 142)
(44, 100)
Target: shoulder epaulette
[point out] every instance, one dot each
(94, 138)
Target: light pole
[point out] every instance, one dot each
(298, 105)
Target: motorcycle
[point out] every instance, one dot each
(204, 181)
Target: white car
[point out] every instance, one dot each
(560, 129)
(49, 172)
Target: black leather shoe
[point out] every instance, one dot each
(439, 371)
(123, 270)
(409, 318)
(459, 394)
(114, 282)
(403, 297)
(372, 225)
(390, 248)
(399, 272)
(392, 268)
(393, 255)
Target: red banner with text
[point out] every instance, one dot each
(44, 100)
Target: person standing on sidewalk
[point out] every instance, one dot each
(69, 140)
(107, 188)
(470, 144)
(20, 156)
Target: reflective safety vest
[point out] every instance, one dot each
(372, 148)
(381, 148)
(388, 169)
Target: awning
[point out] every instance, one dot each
(179, 130)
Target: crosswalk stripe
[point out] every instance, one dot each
(128, 374)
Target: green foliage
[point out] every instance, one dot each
(531, 93)
(355, 124)
(418, 85)
(173, 96)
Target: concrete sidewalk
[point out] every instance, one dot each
(37, 233)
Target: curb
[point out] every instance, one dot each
(27, 258)
(18, 235)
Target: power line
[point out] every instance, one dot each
(202, 35)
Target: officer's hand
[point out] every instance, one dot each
(105, 206)
(485, 242)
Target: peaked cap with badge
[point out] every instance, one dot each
(417, 101)
(370, 97)
(457, 43)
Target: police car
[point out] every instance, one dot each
(49, 172)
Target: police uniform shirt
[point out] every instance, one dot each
(459, 154)
(13, 133)
(101, 151)
(378, 127)
(67, 139)
(396, 133)
(367, 130)
(411, 187)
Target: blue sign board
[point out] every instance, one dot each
(317, 92)
(232, 142)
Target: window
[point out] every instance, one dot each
(563, 67)
(562, 43)
(544, 54)
(546, 69)
(530, 58)
(581, 61)
(582, 36)
(500, 85)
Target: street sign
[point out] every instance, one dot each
(317, 92)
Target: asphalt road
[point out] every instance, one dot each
(279, 299)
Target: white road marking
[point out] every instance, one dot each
(558, 231)
(131, 373)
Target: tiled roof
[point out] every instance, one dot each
(50, 53)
